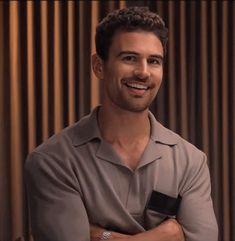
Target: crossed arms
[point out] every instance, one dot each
(169, 230)
(58, 212)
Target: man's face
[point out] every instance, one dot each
(133, 72)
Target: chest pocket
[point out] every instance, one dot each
(160, 207)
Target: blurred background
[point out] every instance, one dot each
(46, 83)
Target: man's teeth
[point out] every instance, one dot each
(137, 86)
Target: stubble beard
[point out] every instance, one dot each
(132, 105)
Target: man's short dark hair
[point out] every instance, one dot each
(128, 19)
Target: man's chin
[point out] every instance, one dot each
(136, 109)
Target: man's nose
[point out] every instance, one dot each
(142, 70)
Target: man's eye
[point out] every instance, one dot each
(129, 58)
(155, 61)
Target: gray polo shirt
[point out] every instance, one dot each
(76, 178)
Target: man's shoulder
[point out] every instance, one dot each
(178, 142)
(64, 140)
(57, 151)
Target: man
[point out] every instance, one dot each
(118, 174)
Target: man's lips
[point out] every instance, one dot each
(136, 86)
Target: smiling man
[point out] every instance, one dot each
(133, 72)
(118, 174)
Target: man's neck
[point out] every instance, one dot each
(123, 126)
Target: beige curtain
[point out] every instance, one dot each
(46, 83)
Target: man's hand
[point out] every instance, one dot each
(169, 230)
(96, 234)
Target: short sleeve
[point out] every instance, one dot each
(196, 214)
(56, 206)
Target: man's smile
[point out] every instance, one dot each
(136, 86)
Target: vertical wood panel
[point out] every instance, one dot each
(71, 75)
(122, 4)
(204, 77)
(3, 186)
(192, 69)
(58, 98)
(159, 5)
(215, 133)
(225, 143)
(5, 189)
(171, 87)
(30, 78)
(94, 82)
(161, 104)
(183, 73)
(81, 67)
(44, 67)
(15, 123)
(111, 5)
(1, 81)
(232, 135)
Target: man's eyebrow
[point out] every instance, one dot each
(127, 52)
(158, 56)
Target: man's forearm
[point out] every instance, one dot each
(169, 230)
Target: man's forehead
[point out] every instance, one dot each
(136, 41)
(134, 33)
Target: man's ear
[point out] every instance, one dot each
(97, 66)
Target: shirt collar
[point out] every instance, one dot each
(161, 134)
(87, 129)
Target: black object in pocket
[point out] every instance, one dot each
(163, 203)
